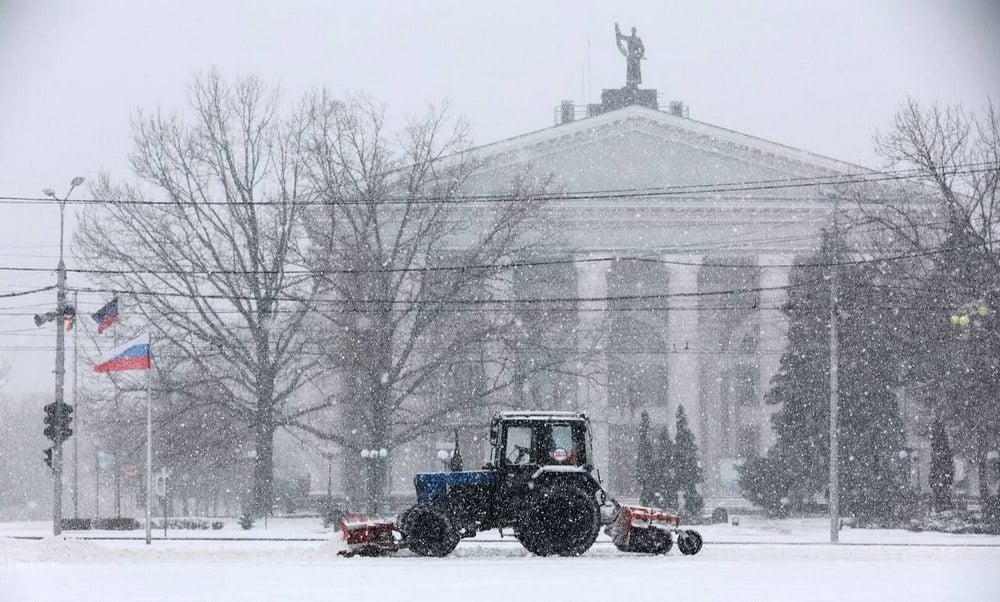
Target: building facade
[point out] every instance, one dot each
(679, 237)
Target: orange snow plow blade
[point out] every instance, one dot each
(650, 531)
(367, 536)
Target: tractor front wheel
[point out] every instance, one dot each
(689, 542)
(428, 531)
(561, 519)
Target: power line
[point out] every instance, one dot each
(626, 193)
(452, 301)
(569, 310)
(493, 266)
(514, 301)
(29, 292)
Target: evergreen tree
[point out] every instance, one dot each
(799, 461)
(942, 475)
(686, 470)
(665, 487)
(645, 470)
(767, 482)
(958, 366)
(870, 430)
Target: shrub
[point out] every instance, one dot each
(117, 524)
(75, 524)
(246, 521)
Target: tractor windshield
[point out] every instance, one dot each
(518, 448)
(545, 443)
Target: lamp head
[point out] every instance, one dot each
(49, 192)
(76, 181)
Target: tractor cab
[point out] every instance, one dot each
(528, 440)
(531, 449)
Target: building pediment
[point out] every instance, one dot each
(636, 147)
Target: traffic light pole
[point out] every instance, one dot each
(76, 406)
(834, 387)
(60, 371)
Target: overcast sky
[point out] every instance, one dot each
(818, 75)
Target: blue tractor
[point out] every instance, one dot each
(539, 483)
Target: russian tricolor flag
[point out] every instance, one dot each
(106, 316)
(133, 355)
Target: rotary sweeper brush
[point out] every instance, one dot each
(538, 483)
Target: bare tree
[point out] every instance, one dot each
(204, 243)
(201, 441)
(24, 477)
(413, 280)
(954, 157)
(950, 222)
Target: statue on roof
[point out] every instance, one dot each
(633, 51)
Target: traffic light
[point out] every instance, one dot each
(58, 417)
(51, 419)
(48, 457)
(67, 432)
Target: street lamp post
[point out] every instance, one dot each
(451, 459)
(445, 456)
(328, 455)
(60, 370)
(834, 387)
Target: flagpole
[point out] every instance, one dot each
(117, 449)
(97, 449)
(149, 444)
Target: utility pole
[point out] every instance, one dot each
(60, 371)
(76, 406)
(834, 383)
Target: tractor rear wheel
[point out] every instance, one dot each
(561, 519)
(428, 531)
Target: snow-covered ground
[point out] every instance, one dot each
(759, 560)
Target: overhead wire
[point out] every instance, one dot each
(577, 260)
(28, 292)
(622, 193)
(492, 266)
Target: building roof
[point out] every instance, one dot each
(682, 129)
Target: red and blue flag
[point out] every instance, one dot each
(106, 316)
(134, 355)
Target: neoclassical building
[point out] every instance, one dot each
(705, 223)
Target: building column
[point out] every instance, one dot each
(592, 383)
(773, 334)
(683, 363)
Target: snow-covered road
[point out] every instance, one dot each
(884, 566)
